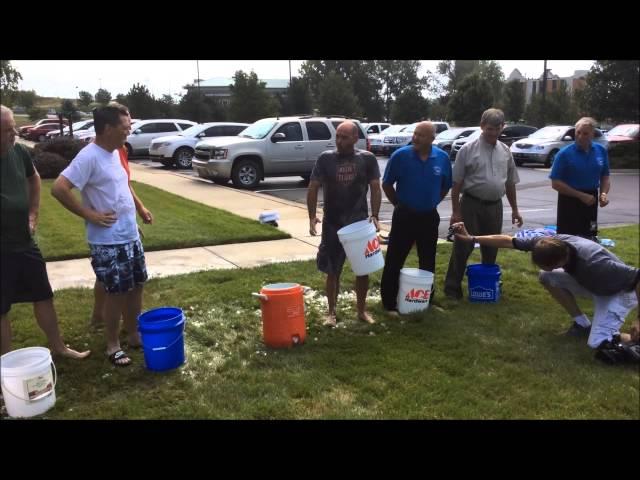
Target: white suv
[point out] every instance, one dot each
(145, 131)
(178, 149)
(271, 147)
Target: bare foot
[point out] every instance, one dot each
(365, 317)
(330, 320)
(69, 353)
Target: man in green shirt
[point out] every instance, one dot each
(24, 272)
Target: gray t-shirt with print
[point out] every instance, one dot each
(593, 266)
(345, 181)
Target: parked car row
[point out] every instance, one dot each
(24, 131)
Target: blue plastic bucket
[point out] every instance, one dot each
(484, 283)
(162, 332)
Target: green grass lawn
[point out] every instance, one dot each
(178, 223)
(457, 361)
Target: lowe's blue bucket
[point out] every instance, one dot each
(162, 332)
(484, 283)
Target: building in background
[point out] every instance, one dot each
(533, 86)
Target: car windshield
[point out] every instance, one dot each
(192, 131)
(410, 128)
(450, 134)
(258, 130)
(548, 132)
(393, 129)
(473, 136)
(624, 131)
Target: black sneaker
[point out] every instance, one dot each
(577, 330)
(615, 352)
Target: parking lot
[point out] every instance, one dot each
(536, 198)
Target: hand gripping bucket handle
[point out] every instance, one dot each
(45, 394)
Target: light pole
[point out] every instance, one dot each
(199, 95)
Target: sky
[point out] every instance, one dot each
(65, 78)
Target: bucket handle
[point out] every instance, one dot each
(261, 296)
(157, 349)
(39, 397)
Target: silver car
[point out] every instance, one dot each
(445, 139)
(543, 145)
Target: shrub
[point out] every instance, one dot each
(36, 113)
(625, 155)
(50, 158)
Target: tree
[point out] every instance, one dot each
(250, 100)
(84, 98)
(336, 97)
(69, 111)
(141, 103)
(472, 97)
(612, 91)
(558, 108)
(492, 72)
(9, 78)
(166, 106)
(25, 98)
(409, 107)
(455, 71)
(298, 98)
(103, 96)
(207, 109)
(396, 76)
(513, 100)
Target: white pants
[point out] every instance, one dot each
(609, 312)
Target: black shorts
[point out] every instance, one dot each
(331, 255)
(24, 278)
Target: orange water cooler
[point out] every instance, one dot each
(283, 323)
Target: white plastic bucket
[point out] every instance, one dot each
(28, 385)
(362, 246)
(414, 291)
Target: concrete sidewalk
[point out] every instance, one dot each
(293, 220)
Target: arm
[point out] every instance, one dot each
(390, 193)
(499, 241)
(456, 214)
(34, 200)
(511, 196)
(146, 215)
(635, 328)
(605, 185)
(564, 189)
(376, 201)
(61, 191)
(312, 202)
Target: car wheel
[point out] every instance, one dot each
(518, 163)
(219, 180)
(42, 138)
(550, 158)
(129, 150)
(246, 174)
(167, 163)
(183, 156)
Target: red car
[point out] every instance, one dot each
(39, 133)
(22, 131)
(626, 133)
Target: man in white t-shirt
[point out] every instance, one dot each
(117, 256)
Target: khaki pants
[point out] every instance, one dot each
(480, 218)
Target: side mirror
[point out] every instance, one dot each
(278, 137)
(567, 138)
(137, 132)
(201, 135)
(503, 135)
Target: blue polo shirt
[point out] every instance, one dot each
(579, 169)
(418, 183)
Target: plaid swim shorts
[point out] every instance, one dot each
(119, 267)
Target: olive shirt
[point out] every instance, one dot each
(485, 169)
(15, 168)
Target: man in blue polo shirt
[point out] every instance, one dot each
(422, 175)
(578, 171)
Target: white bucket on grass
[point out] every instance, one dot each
(362, 246)
(414, 291)
(28, 384)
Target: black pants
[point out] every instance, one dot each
(577, 218)
(407, 227)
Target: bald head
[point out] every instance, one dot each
(346, 137)
(423, 137)
(7, 130)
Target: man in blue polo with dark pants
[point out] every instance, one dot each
(578, 171)
(422, 175)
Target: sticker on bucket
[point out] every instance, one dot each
(38, 387)
(481, 293)
(417, 296)
(373, 248)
